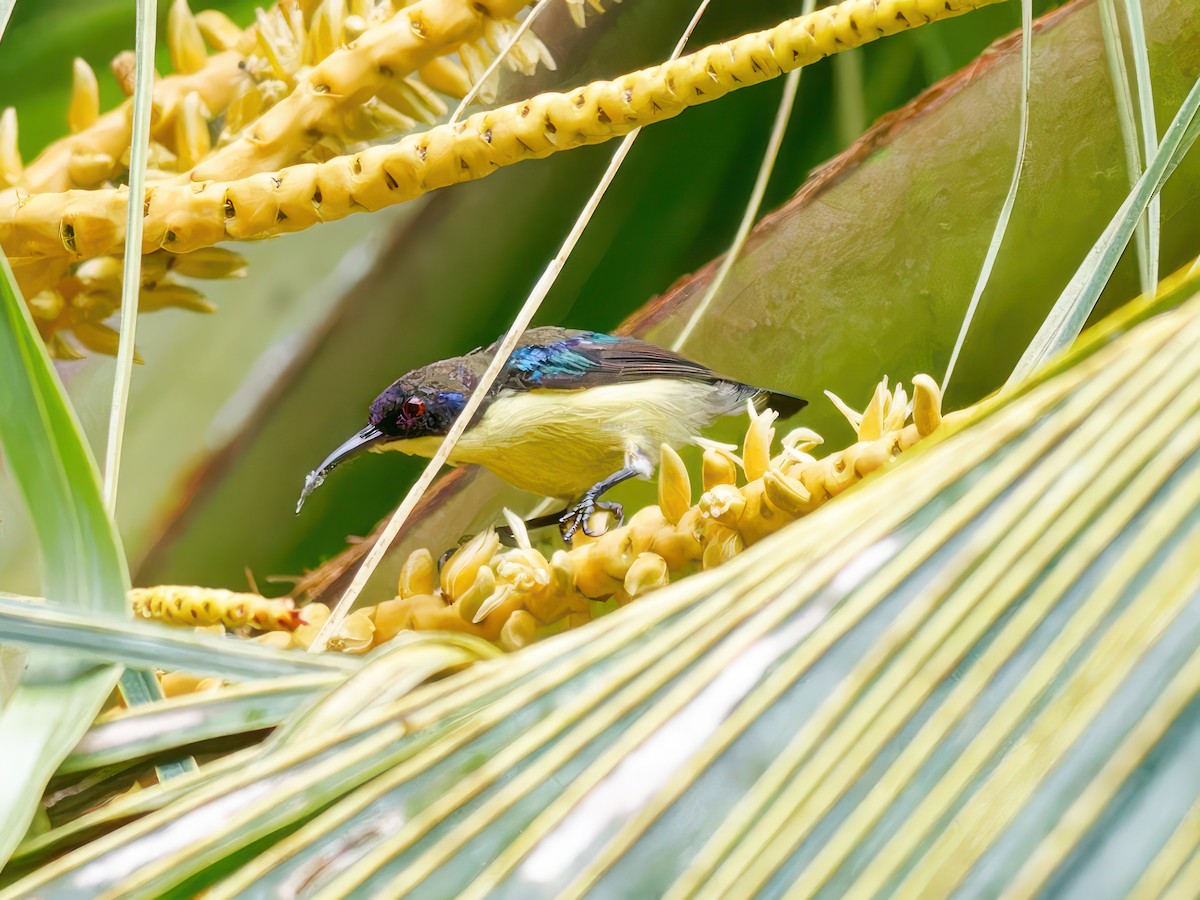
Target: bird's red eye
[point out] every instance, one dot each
(414, 407)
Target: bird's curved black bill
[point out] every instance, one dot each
(355, 445)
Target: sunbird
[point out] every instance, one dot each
(572, 414)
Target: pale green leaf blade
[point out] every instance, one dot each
(101, 638)
(1078, 299)
(168, 725)
(82, 561)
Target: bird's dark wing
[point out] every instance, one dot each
(559, 359)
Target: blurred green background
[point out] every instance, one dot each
(232, 410)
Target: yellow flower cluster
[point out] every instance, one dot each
(309, 81)
(306, 96)
(514, 595)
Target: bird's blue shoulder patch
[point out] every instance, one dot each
(560, 358)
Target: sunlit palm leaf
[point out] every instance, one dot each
(953, 676)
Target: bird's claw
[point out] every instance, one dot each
(579, 516)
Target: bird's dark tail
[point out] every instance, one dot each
(786, 405)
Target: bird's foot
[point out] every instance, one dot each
(579, 515)
(449, 552)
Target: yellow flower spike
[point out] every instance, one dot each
(192, 141)
(11, 166)
(723, 545)
(208, 262)
(188, 605)
(493, 603)
(787, 494)
(674, 486)
(718, 467)
(85, 96)
(649, 572)
(354, 635)
(242, 202)
(756, 448)
(927, 404)
(184, 41)
(461, 569)
(519, 631)
(177, 296)
(418, 575)
(473, 597)
(724, 504)
(219, 30)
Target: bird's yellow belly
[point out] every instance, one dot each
(560, 443)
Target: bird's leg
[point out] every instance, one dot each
(637, 465)
(506, 534)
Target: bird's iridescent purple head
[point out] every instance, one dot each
(407, 409)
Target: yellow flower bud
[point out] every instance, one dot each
(519, 631)
(184, 42)
(724, 503)
(472, 598)
(418, 574)
(649, 572)
(787, 494)
(719, 468)
(355, 634)
(461, 569)
(756, 449)
(674, 486)
(85, 96)
(218, 29)
(927, 404)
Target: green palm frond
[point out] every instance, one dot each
(977, 671)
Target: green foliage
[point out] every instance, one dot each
(976, 672)
(981, 638)
(82, 562)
